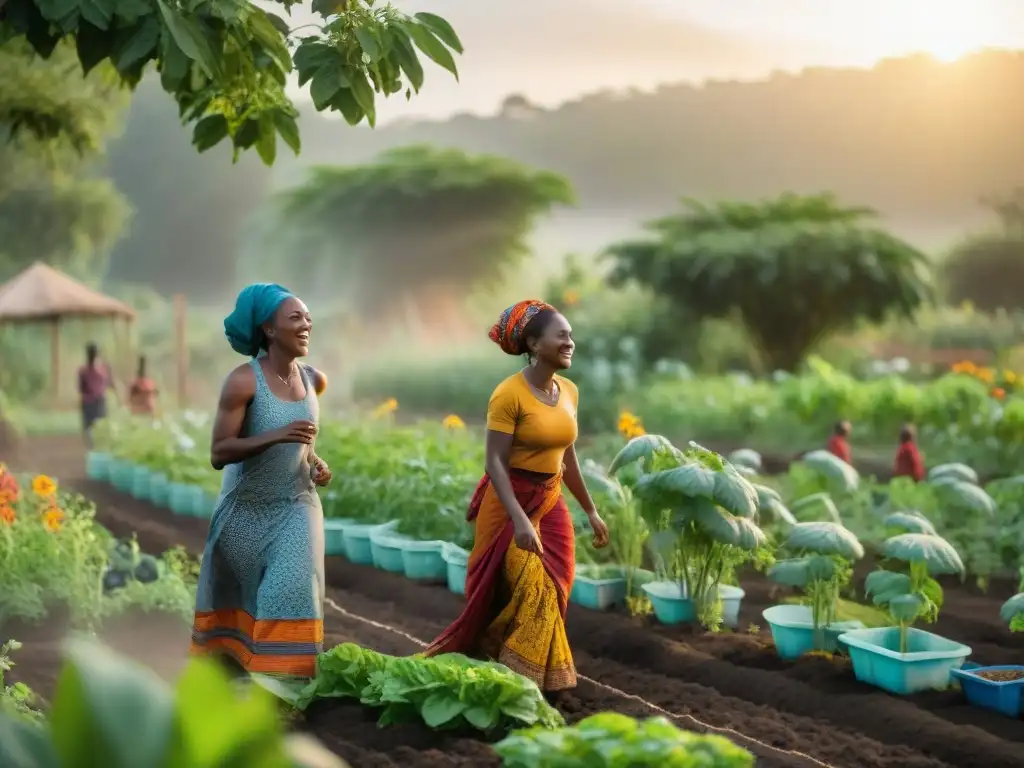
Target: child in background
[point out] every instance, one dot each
(142, 393)
(908, 459)
(838, 444)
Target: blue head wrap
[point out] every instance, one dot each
(254, 306)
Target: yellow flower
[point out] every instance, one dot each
(630, 425)
(570, 297)
(53, 519)
(986, 375)
(1009, 377)
(451, 421)
(7, 514)
(388, 406)
(43, 486)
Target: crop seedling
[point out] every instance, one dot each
(610, 739)
(821, 566)
(16, 700)
(1012, 612)
(704, 513)
(915, 594)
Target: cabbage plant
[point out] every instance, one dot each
(914, 594)
(1012, 612)
(821, 564)
(705, 514)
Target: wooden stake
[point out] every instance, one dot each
(181, 346)
(55, 358)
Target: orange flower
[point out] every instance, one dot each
(7, 515)
(570, 297)
(998, 393)
(53, 519)
(986, 375)
(43, 486)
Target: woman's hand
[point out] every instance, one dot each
(321, 473)
(528, 540)
(600, 529)
(299, 431)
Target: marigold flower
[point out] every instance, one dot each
(998, 393)
(388, 406)
(53, 519)
(452, 421)
(43, 486)
(570, 297)
(630, 425)
(7, 514)
(986, 375)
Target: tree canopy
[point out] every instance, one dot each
(51, 206)
(793, 269)
(418, 223)
(226, 62)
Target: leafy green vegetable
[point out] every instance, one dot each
(1012, 612)
(837, 472)
(446, 691)
(611, 740)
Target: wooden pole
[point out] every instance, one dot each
(55, 358)
(181, 346)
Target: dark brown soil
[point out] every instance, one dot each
(730, 681)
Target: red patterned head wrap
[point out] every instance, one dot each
(507, 333)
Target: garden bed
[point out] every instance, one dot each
(727, 680)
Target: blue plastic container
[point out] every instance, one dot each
(793, 631)
(159, 489)
(334, 536)
(386, 549)
(928, 663)
(121, 474)
(671, 606)
(357, 541)
(178, 499)
(97, 466)
(199, 503)
(455, 560)
(423, 560)
(140, 483)
(1003, 696)
(598, 594)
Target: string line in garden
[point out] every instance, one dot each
(608, 688)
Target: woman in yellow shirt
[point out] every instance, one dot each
(521, 569)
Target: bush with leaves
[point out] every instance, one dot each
(703, 513)
(17, 700)
(109, 711)
(1012, 612)
(821, 564)
(914, 594)
(227, 63)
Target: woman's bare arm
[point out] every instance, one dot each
(574, 480)
(227, 447)
(498, 448)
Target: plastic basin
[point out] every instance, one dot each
(179, 499)
(386, 549)
(200, 504)
(671, 606)
(597, 593)
(159, 489)
(1003, 696)
(356, 536)
(793, 631)
(97, 466)
(121, 474)
(928, 663)
(455, 559)
(423, 560)
(334, 536)
(140, 483)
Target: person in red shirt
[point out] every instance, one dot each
(838, 444)
(908, 459)
(143, 392)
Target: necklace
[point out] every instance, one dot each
(285, 381)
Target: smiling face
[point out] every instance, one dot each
(291, 328)
(554, 345)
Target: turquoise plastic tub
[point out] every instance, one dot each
(423, 560)
(121, 474)
(178, 499)
(455, 560)
(357, 541)
(928, 664)
(334, 536)
(97, 466)
(598, 594)
(793, 631)
(140, 483)
(671, 606)
(1003, 696)
(386, 549)
(199, 503)
(159, 489)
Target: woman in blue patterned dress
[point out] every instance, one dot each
(260, 595)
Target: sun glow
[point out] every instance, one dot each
(946, 29)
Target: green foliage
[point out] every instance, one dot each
(17, 700)
(226, 63)
(108, 711)
(611, 740)
(465, 217)
(445, 691)
(819, 262)
(1012, 612)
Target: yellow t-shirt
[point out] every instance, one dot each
(541, 432)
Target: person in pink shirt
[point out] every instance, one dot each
(94, 379)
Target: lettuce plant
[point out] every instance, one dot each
(1012, 612)
(610, 740)
(914, 594)
(704, 512)
(446, 691)
(821, 565)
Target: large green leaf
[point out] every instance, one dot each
(906, 608)
(1011, 608)
(833, 468)
(909, 521)
(776, 512)
(964, 496)
(959, 472)
(25, 745)
(816, 505)
(740, 532)
(934, 551)
(794, 572)
(689, 481)
(746, 457)
(643, 447)
(883, 586)
(824, 538)
(735, 493)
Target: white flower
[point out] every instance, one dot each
(900, 364)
